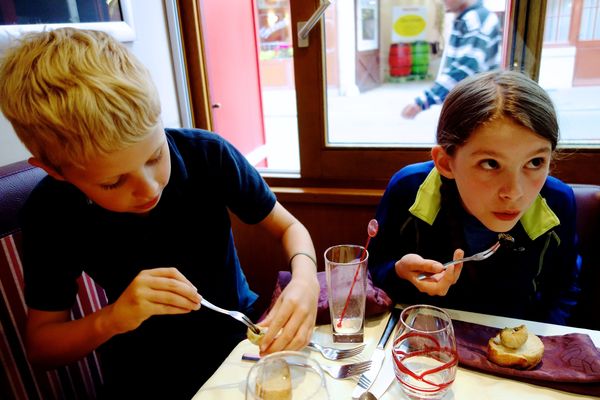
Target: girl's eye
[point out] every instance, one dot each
(536, 163)
(489, 164)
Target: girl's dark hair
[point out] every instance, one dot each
(489, 96)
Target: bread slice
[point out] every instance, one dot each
(526, 356)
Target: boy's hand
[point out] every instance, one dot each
(411, 266)
(292, 319)
(152, 292)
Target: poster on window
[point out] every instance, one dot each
(367, 15)
(409, 24)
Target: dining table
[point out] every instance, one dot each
(228, 381)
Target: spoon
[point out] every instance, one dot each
(367, 396)
(372, 229)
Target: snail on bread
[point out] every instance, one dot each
(515, 348)
(514, 337)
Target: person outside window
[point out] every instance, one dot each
(473, 47)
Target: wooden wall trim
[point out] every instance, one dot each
(352, 196)
(193, 49)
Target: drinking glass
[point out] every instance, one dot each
(286, 375)
(346, 272)
(424, 352)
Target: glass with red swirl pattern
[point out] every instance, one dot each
(424, 352)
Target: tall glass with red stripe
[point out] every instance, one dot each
(424, 352)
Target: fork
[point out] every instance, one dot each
(475, 257)
(331, 353)
(364, 382)
(335, 371)
(234, 314)
(346, 370)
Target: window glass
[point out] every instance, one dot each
(558, 21)
(21, 16)
(568, 69)
(276, 65)
(590, 21)
(25, 12)
(335, 106)
(368, 88)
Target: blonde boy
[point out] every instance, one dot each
(121, 196)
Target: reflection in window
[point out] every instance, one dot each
(26, 12)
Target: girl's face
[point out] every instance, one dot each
(128, 180)
(499, 172)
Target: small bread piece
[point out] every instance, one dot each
(527, 356)
(256, 338)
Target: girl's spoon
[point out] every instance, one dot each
(372, 229)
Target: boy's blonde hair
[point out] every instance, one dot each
(73, 94)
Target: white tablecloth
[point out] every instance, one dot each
(228, 382)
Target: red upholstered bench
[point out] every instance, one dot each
(18, 378)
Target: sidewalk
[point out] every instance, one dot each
(373, 119)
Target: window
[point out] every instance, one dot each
(558, 21)
(20, 16)
(341, 142)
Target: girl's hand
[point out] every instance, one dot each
(411, 266)
(292, 319)
(153, 292)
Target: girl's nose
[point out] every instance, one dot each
(512, 188)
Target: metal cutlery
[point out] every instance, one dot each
(234, 314)
(367, 396)
(502, 237)
(335, 371)
(331, 353)
(366, 379)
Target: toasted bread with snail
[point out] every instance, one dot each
(515, 348)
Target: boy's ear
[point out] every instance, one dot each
(49, 170)
(442, 160)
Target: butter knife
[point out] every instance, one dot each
(366, 379)
(385, 378)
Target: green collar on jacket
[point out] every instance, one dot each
(536, 221)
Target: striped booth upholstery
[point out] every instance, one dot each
(18, 378)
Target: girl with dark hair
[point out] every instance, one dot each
(496, 136)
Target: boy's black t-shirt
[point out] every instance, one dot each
(65, 234)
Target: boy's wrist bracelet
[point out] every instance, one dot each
(302, 254)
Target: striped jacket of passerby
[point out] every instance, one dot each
(473, 46)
